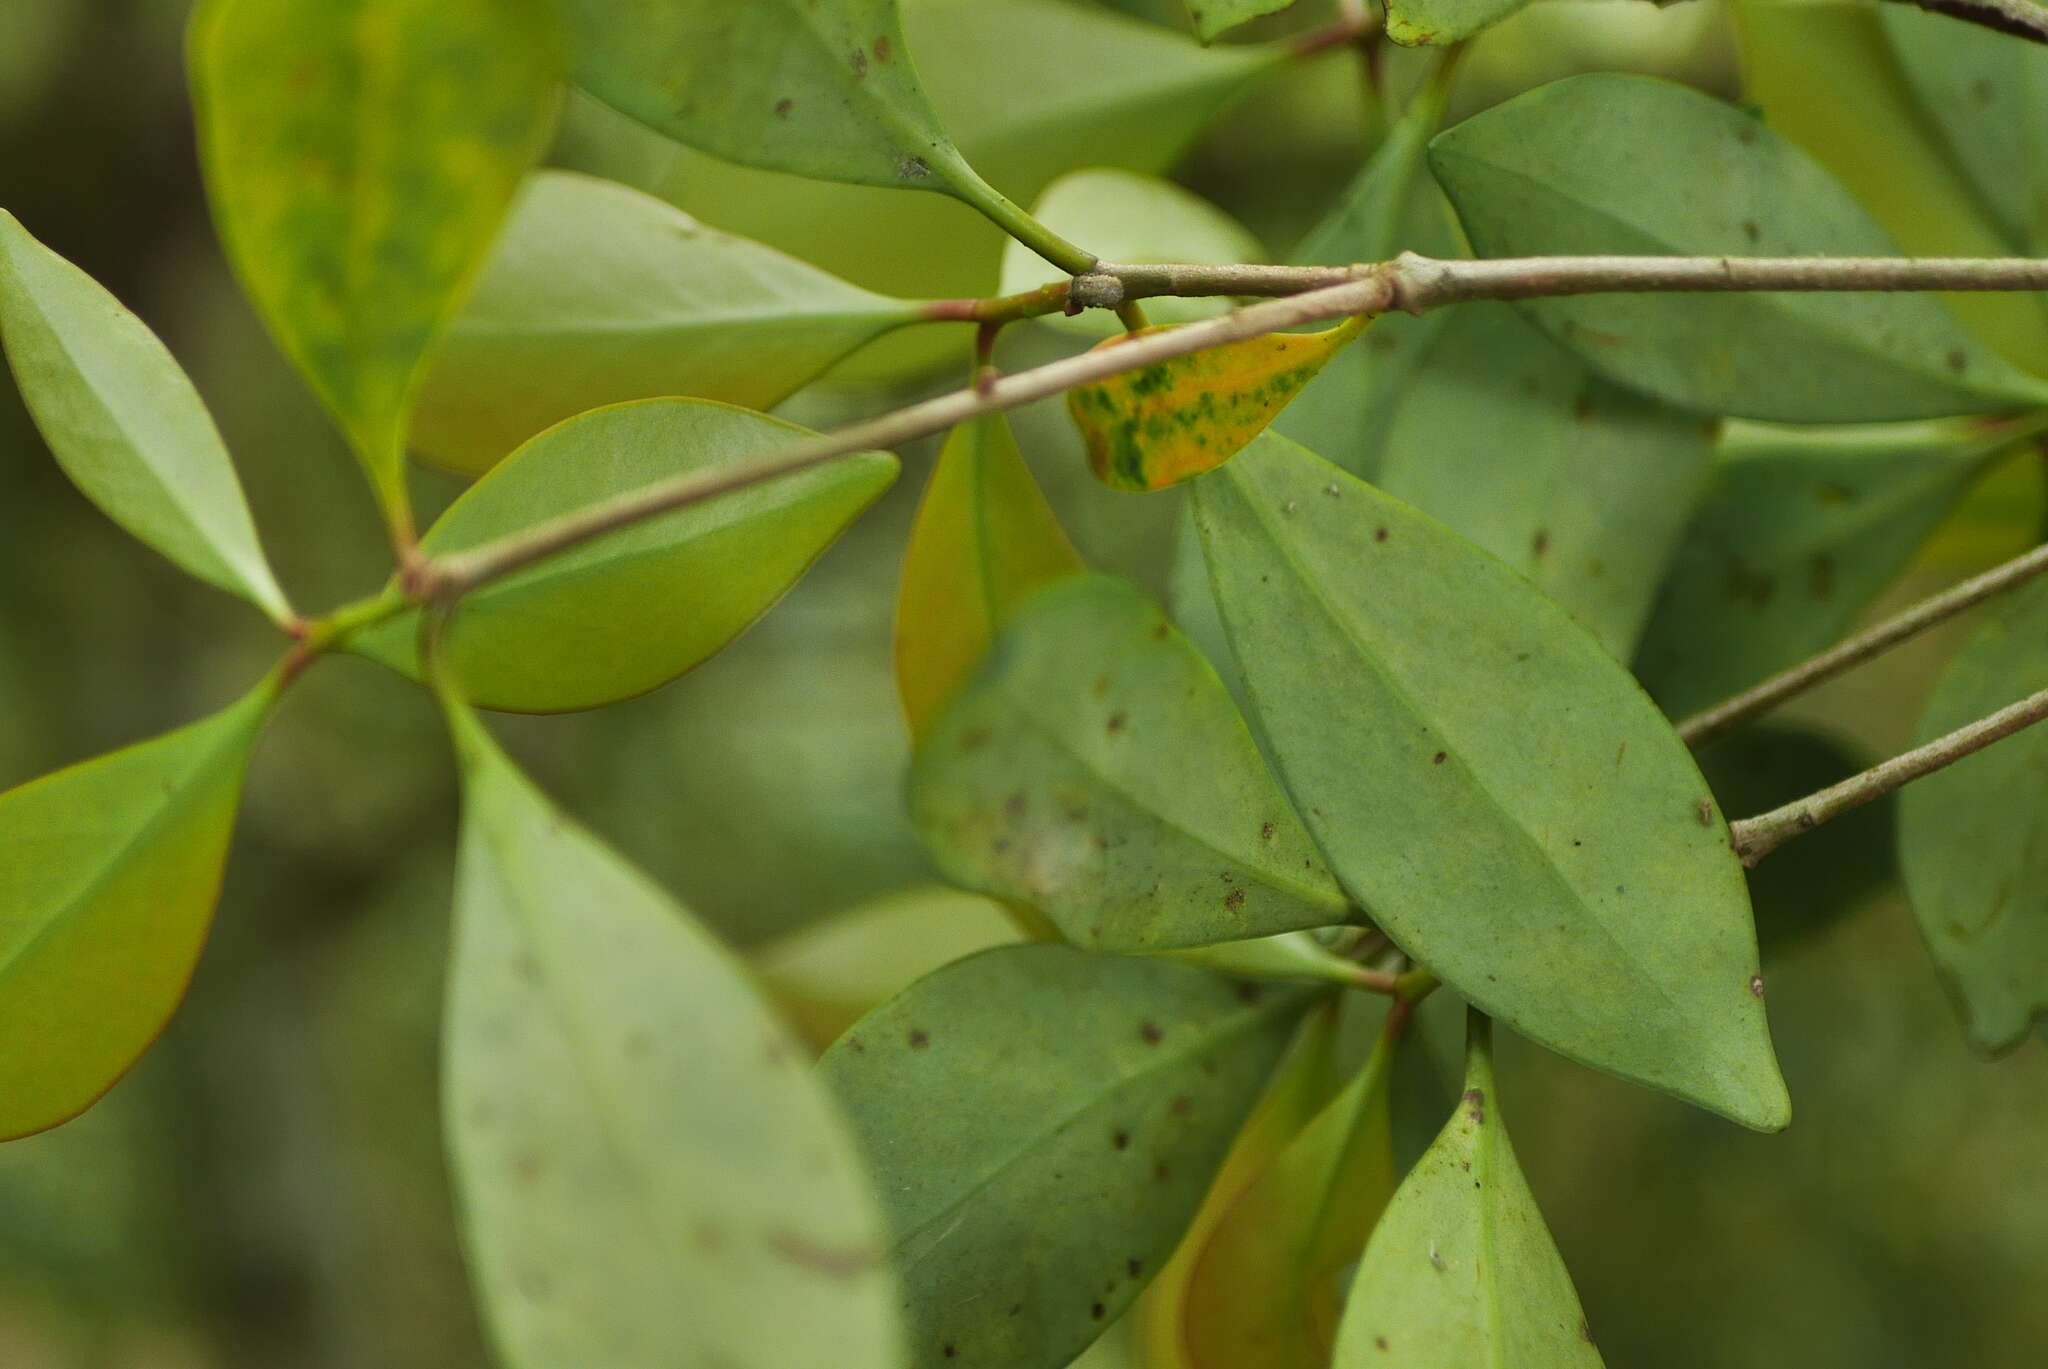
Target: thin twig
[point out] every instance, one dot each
(2021, 18)
(1755, 838)
(1409, 282)
(1726, 716)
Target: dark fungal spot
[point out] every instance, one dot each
(1149, 1033)
(913, 169)
(974, 739)
(1585, 1331)
(855, 1044)
(1476, 1100)
(1134, 1266)
(1756, 985)
(1248, 992)
(1160, 1172)
(1439, 758)
(1379, 534)
(1118, 721)
(1540, 543)
(1379, 1342)
(1750, 230)
(783, 106)
(860, 64)
(1013, 806)
(1096, 1310)
(1821, 576)
(1234, 900)
(947, 1350)
(1182, 1105)
(1121, 1140)
(883, 51)
(1958, 360)
(1266, 831)
(918, 1039)
(1746, 135)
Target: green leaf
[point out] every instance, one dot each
(124, 422)
(1042, 1123)
(1602, 482)
(1488, 783)
(361, 155)
(648, 1173)
(630, 611)
(1301, 1084)
(820, 88)
(1826, 77)
(1989, 96)
(1461, 1270)
(1799, 532)
(108, 875)
(1393, 205)
(1169, 422)
(826, 975)
(1439, 23)
(1214, 18)
(1973, 838)
(1130, 218)
(1031, 89)
(1266, 1288)
(1098, 772)
(1612, 163)
(598, 294)
(983, 541)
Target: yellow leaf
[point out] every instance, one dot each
(1173, 420)
(1299, 1089)
(984, 539)
(1264, 1289)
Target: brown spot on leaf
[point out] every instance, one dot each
(1958, 360)
(1096, 1310)
(1118, 721)
(1149, 1033)
(860, 65)
(1379, 534)
(783, 106)
(1234, 900)
(1121, 1140)
(1266, 831)
(1439, 758)
(883, 51)
(1134, 1266)
(1540, 543)
(1756, 985)
(1751, 230)
(918, 1039)
(1013, 806)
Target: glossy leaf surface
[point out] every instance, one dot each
(821, 88)
(124, 421)
(1613, 163)
(1266, 1288)
(1173, 420)
(984, 540)
(1583, 487)
(649, 1173)
(1461, 1270)
(1489, 783)
(1973, 838)
(1127, 217)
(625, 613)
(1042, 1123)
(597, 294)
(108, 875)
(1097, 770)
(361, 155)
(1800, 530)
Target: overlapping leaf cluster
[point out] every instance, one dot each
(1396, 730)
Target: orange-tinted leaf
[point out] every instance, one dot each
(1175, 419)
(984, 539)
(1300, 1087)
(1264, 1289)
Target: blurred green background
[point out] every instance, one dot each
(266, 1188)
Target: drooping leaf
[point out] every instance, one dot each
(1393, 205)
(649, 1174)
(1973, 838)
(1582, 487)
(1461, 1270)
(1302, 1083)
(983, 541)
(1042, 1123)
(1171, 421)
(108, 875)
(598, 294)
(820, 88)
(1214, 18)
(1827, 78)
(1096, 770)
(1841, 864)
(826, 975)
(1629, 164)
(124, 421)
(1128, 217)
(1266, 1288)
(360, 156)
(1989, 96)
(627, 612)
(1439, 23)
(1799, 532)
(1030, 89)
(1489, 782)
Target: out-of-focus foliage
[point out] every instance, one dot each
(266, 1190)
